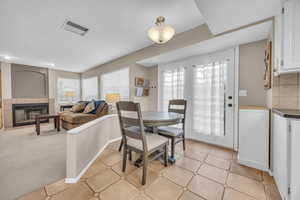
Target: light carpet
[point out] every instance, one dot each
(28, 161)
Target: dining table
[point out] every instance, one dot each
(153, 120)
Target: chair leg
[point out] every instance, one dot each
(145, 166)
(166, 155)
(173, 148)
(55, 123)
(124, 158)
(121, 145)
(130, 155)
(183, 142)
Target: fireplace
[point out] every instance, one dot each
(24, 114)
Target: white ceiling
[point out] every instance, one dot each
(224, 15)
(243, 36)
(31, 30)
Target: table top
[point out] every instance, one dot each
(152, 118)
(47, 116)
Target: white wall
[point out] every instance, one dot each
(6, 80)
(95, 135)
(148, 103)
(251, 73)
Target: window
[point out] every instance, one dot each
(172, 86)
(90, 88)
(68, 90)
(116, 82)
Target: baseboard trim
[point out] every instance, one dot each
(255, 165)
(76, 179)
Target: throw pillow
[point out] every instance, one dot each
(90, 107)
(97, 105)
(78, 107)
(84, 103)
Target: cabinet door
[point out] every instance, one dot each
(295, 160)
(291, 35)
(280, 154)
(277, 43)
(254, 131)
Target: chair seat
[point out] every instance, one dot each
(170, 131)
(134, 129)
(153, 141)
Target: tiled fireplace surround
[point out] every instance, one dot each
(7, 108)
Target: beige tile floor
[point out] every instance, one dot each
(201, 172)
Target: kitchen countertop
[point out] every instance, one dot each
(288, 113)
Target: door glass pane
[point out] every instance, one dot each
(209, 98)
(173, 86)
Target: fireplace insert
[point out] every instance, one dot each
(24, 114)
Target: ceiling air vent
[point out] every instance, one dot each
(75, 28)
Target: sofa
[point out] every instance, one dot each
(71, 119)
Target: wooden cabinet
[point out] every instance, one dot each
(287, 38)
(285, 154)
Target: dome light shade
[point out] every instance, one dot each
(161, 33)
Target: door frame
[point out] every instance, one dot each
(186, 63)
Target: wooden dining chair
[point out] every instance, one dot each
(135, 139)
(176, 134)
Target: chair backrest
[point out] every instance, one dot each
(178, 106)
(130, 116)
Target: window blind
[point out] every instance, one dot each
(90, 88)
(116, 82)
(68, 90)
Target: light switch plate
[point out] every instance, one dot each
(243, 93)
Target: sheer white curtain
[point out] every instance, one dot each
(208, 98)
(172, 86)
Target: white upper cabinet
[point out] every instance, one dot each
(277, 43)
(287, 38)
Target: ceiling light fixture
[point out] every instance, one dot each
(161, 33)
(7, 57)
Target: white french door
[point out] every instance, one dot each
(213, 99)
(209, 86)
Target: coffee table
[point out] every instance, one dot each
(38, 119)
